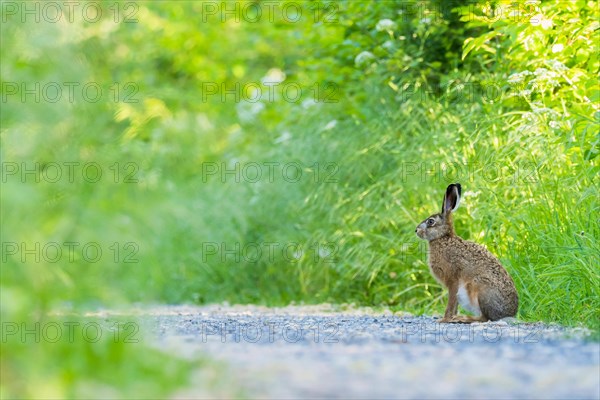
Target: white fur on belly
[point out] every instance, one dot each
(465, 301)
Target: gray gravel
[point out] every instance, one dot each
(319, 352)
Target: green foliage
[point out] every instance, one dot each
(395, 104)
(83, 358)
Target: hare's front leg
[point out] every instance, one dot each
(452, 306)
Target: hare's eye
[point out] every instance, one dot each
(430, 222)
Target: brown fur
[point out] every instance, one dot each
(455, 262)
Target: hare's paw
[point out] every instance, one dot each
(462, 319)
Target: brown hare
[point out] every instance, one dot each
(473, 276)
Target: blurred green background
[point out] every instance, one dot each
(277, 152)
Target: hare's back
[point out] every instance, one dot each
(478, 261)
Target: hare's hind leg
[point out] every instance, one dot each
(493, 305)
(465, 319)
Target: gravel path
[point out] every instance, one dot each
(317, 352)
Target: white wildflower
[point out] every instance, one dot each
(545, 76)
(386, 25)
(388, 45)
(330, 125)
(528, 116)
(516, 78)
(472, 194)
(546, 23)
(557, 48)
(539, 20)
(364, 58)
(525, 93)
(539, 109)
(557, 65)
(284, 137)
(544, 73)
(273, 77)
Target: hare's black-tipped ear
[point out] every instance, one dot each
(452, 198)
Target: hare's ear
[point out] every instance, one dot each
(452, 198)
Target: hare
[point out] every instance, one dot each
(473, 276)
